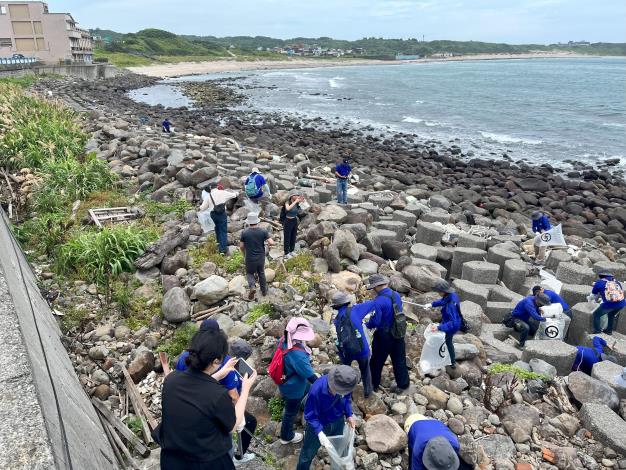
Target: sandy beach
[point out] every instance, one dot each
(196, 68)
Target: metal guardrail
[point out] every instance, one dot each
(12, 61)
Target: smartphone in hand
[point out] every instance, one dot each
(242, 368)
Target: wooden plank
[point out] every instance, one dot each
(112, 441)
(120, 445)
(108, 209)
(117, 423)
(139, 405)
(94, 217)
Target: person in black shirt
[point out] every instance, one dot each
(198, 415)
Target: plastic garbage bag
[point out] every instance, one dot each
(548, 281)
(342, 453)
(554, 326)
(206, 222)
(251, 206)
(435, 353)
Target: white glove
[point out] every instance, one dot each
(324, 440)
(424, 305)
(591, 298)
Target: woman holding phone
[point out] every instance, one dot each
(290, 221)
(198, 415)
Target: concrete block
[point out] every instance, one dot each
(474, 317)
(420, 250)
(558, 353)
(499, 256)
(617, 269)
(429, 234)
(324, 195)
(467, 290)
(436, 216)
(399, 228)
(432, 265)
(617, 341)
(498, 311)
(605, 425)
(514, 274)
(466, 240)
(375, 238)
(417, 209)
(438, 200)
(381, 199)
(493, 337)
(607, 372)
(582, 322)
(557, 257)
(462, 256)
(572, 273)
(404, 216)
(574, 294)
(498, 293)
(444, 253)
(359, 215)
(479, 272)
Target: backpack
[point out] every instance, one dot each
(613, 292)
(349, 339)
(464, 328)
(276, 369)
(250, 187)
(398, 326)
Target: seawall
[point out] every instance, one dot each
(46, 418)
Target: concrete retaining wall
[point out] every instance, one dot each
(86, 71)
(40, 396)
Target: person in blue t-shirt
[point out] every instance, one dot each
(166, 124)
(554, 298)
(299, 374)
(609, 306)
(586, 357)
(526, 316)
(342, 173)
(541, 224)
(450, 315)
(384, 345)
(329, 403)
(257, 189)
(341, 302)
(432, 445)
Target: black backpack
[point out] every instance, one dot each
(349, 339)
(398, 326)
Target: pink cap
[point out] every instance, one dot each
(300, 329)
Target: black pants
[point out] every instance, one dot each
(258, 268)
(174, 461)
(383, 346)
(245, 437)
(290, 233)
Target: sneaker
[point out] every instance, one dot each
(246, 458)
(251, 294)
(452, 366)
(297, 437)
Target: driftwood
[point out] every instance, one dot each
(155, 253)
(203, 314)
(117, 423)
(112, 441)
(117, 443)
(139, 406)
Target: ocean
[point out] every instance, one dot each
(542, 110)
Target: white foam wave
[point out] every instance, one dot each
(335, 82)
(507, 139)
(419, 102)
(432, 123)
(614, 124)
(412, 119)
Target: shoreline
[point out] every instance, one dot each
(183, 69)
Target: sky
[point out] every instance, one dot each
(511, 21)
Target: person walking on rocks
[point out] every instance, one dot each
(166, 125)
(586, 357)
(450, 315)
(384, 344)
(215, 203)
(541, 224)
(554, 298)
(526, 316)
(612, 294)
(290, 221)
(342, 173)
(352, 343)
(252, 245)
(298, 372)
(329, 403)
(258, 191)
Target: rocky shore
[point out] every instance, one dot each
(407, 220)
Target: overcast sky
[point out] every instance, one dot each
(512, 21)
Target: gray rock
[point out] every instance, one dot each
(384, 435)
(498, 447)
(539, 366)
(176, 306)
(586, 389)
(211, 290)
(171, 264)
(605, 425)
(572, 273)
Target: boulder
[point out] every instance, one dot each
(519, 420)
(176, 306)
(539, 366)
(346, 244)
(572, 273)
(141, 366)
(586, 389)
(384, 435)
(332, 213)
(210, 291)
(346, 281)
(436, 397)
(607, 372)
(605, 425)
(375, 239)
(558, 353)
(421, 278)
(171, 264)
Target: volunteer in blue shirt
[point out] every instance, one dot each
(383, 342)
(541, 224)
(257, 189)
(554, 298)
(298, 374)
(586, 357)
(526, 315)
(341, 302)
(612, 294)
(432, 446)
(166, 124)
(450, 315)
(328, 404)
(342, 173)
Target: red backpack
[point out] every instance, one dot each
(276, 369)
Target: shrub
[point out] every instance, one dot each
(299, 263)
(45, 233)
(276, 405)
(259, 311)
(134, 424)
(179, 341)
(156, 210)
(209, 251)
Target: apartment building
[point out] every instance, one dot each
(28, 28)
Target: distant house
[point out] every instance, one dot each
(579, 43)
(442, 55)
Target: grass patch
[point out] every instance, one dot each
(299, 263)
(73, 319)
(22, 82)
(135, 425)
(259, 311)
(518, 372)
(155, 210)
(44, 234)
(179, 341)
(209, 251)
(122, 59)
(276, 405)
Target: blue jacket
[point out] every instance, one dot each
(323, 408)
(556, 298)
(231, 382)
(450, 313)
(298, 371)
(423, 431)
(587, 357)
(527, 309)
(343, 169)
(598, 288)
(383, 316)
(541, 224)
(260, 182)
(357, 313)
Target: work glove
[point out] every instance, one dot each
(324, 440)
(591, 298)
(425, 305)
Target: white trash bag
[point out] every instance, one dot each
(206, 222)
(554, 326)
(435, 354)
(550, 282)
(342, 453)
